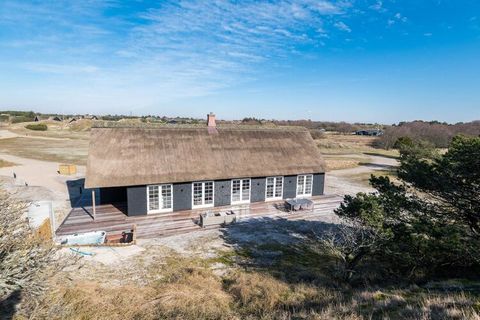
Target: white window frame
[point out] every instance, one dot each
(241, 191)
(274, 188)
(203, 205)
(304, 194)
(159, 198)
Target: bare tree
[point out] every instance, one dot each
(349, 245)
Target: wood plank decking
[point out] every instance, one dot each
(110, 218)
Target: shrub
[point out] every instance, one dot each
(37, 127)
(317, 134)
(27, 261)
(20, 119)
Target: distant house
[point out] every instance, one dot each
(55, 118)
(36, 119)
(369, 132)
(157, 169)
(93, 118)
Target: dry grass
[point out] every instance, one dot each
(349, 151)
(336, 144)
(4, 163)
(57, 150)
(186, 288)
(364, 177)
(339, 163)
(58, 130)
(81, 125)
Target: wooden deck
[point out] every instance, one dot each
(110, 218)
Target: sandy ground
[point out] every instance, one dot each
(5, 134)
(39, 181)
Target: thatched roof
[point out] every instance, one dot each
(125, 156)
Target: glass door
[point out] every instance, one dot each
(274, 188)
(240, 191)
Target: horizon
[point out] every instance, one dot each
(6, 111)
(353, 61)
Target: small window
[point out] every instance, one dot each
(159, 198)
(304, 185)
(203, 194)
(274, 188)
(240, 191)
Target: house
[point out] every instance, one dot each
(369, 132)
(36, 119)
(55, 118)
(156, 169)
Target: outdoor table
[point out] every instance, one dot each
(299, 204)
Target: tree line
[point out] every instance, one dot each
(437, 134)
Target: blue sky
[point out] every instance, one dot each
(351, 60)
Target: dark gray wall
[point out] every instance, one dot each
(222, 193)
(258, 190)
(137, 200)
(182, 196)
(182, 193)
(318, 184)
(113, 195)
(289, 187)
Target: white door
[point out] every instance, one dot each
(304, 185)
(159, 198)
(202, 194)
(240, 191)
(274, 188)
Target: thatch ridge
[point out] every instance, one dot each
(149, 125)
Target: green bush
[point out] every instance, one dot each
(37, 127)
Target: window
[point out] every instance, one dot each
(274, 188)
(202, 194)
(159, 198)
(240, 190)
(304, 185)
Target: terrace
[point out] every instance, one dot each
(113, 220)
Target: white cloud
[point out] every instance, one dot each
(179, 49)
(400, 17)
(342, 26)
(378, 6)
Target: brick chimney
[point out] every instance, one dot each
(211, 125)
(211, 120)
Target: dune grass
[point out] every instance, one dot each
(179, 287)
